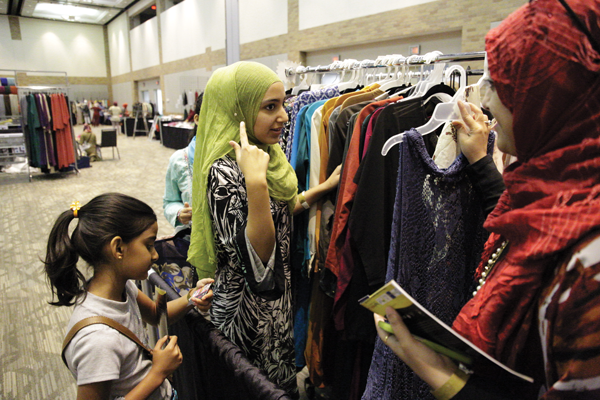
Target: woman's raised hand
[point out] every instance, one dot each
(472, 132)
(252, 161)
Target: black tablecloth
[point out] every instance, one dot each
(128, 126)
(174, 137)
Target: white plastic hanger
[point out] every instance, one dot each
(398, 77)
(423, 85)
(303, 85)
(350, 65)
(435, 78)
(455, 68)
(443, 112)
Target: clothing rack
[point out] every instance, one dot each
(27, 90)
(388, 61)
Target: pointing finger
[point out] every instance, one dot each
(243, 135)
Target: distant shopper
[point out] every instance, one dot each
(115, 116)
(87, 140)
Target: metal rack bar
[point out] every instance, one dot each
(394, 61)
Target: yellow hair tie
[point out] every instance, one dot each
(75, 206)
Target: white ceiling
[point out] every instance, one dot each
(82, 11)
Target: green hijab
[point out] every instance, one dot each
(233, 94)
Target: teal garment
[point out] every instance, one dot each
(296, 134)
(300, 241)
(178, 187)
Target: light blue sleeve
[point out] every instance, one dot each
(172, 200)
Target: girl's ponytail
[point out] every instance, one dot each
(66, 280)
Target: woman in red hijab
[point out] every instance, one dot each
(538, 308)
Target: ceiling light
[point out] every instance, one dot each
(68, 12)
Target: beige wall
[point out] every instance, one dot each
(471, 18)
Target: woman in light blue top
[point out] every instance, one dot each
(177, 201)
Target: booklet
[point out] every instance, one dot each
(431, 331)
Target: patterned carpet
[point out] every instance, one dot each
(32, 331)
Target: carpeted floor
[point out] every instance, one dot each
(32, 331)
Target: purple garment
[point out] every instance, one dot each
(436, 244)
(42, 111)
(303, 99)
(46, 139)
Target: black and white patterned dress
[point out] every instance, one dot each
(252, 303)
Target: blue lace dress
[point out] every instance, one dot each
(436, 244)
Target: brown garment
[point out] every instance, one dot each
(88, 140)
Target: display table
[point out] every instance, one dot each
(175, 137)
(128, 123)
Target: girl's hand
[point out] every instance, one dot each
(166, 361)
(472, 132)
(435, 369)
(252, 161)
(203, 303)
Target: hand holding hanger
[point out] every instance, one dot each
(472, 131)
(443, 112)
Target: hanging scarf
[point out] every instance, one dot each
(546, 72)
(233, 94)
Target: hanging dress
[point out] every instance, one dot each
(436, 244)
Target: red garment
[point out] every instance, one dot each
(96, 116)
(347, 189)
(190, 117)
(62, 127)
(544, 71)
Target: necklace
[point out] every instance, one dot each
(489, 265)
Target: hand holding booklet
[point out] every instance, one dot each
(434, 333)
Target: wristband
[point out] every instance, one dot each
(303, 201)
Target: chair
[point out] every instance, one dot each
(109, 139)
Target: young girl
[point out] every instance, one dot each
(115, 235)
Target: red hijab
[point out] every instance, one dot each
(546, 73)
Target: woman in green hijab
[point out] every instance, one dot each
(247, 193)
